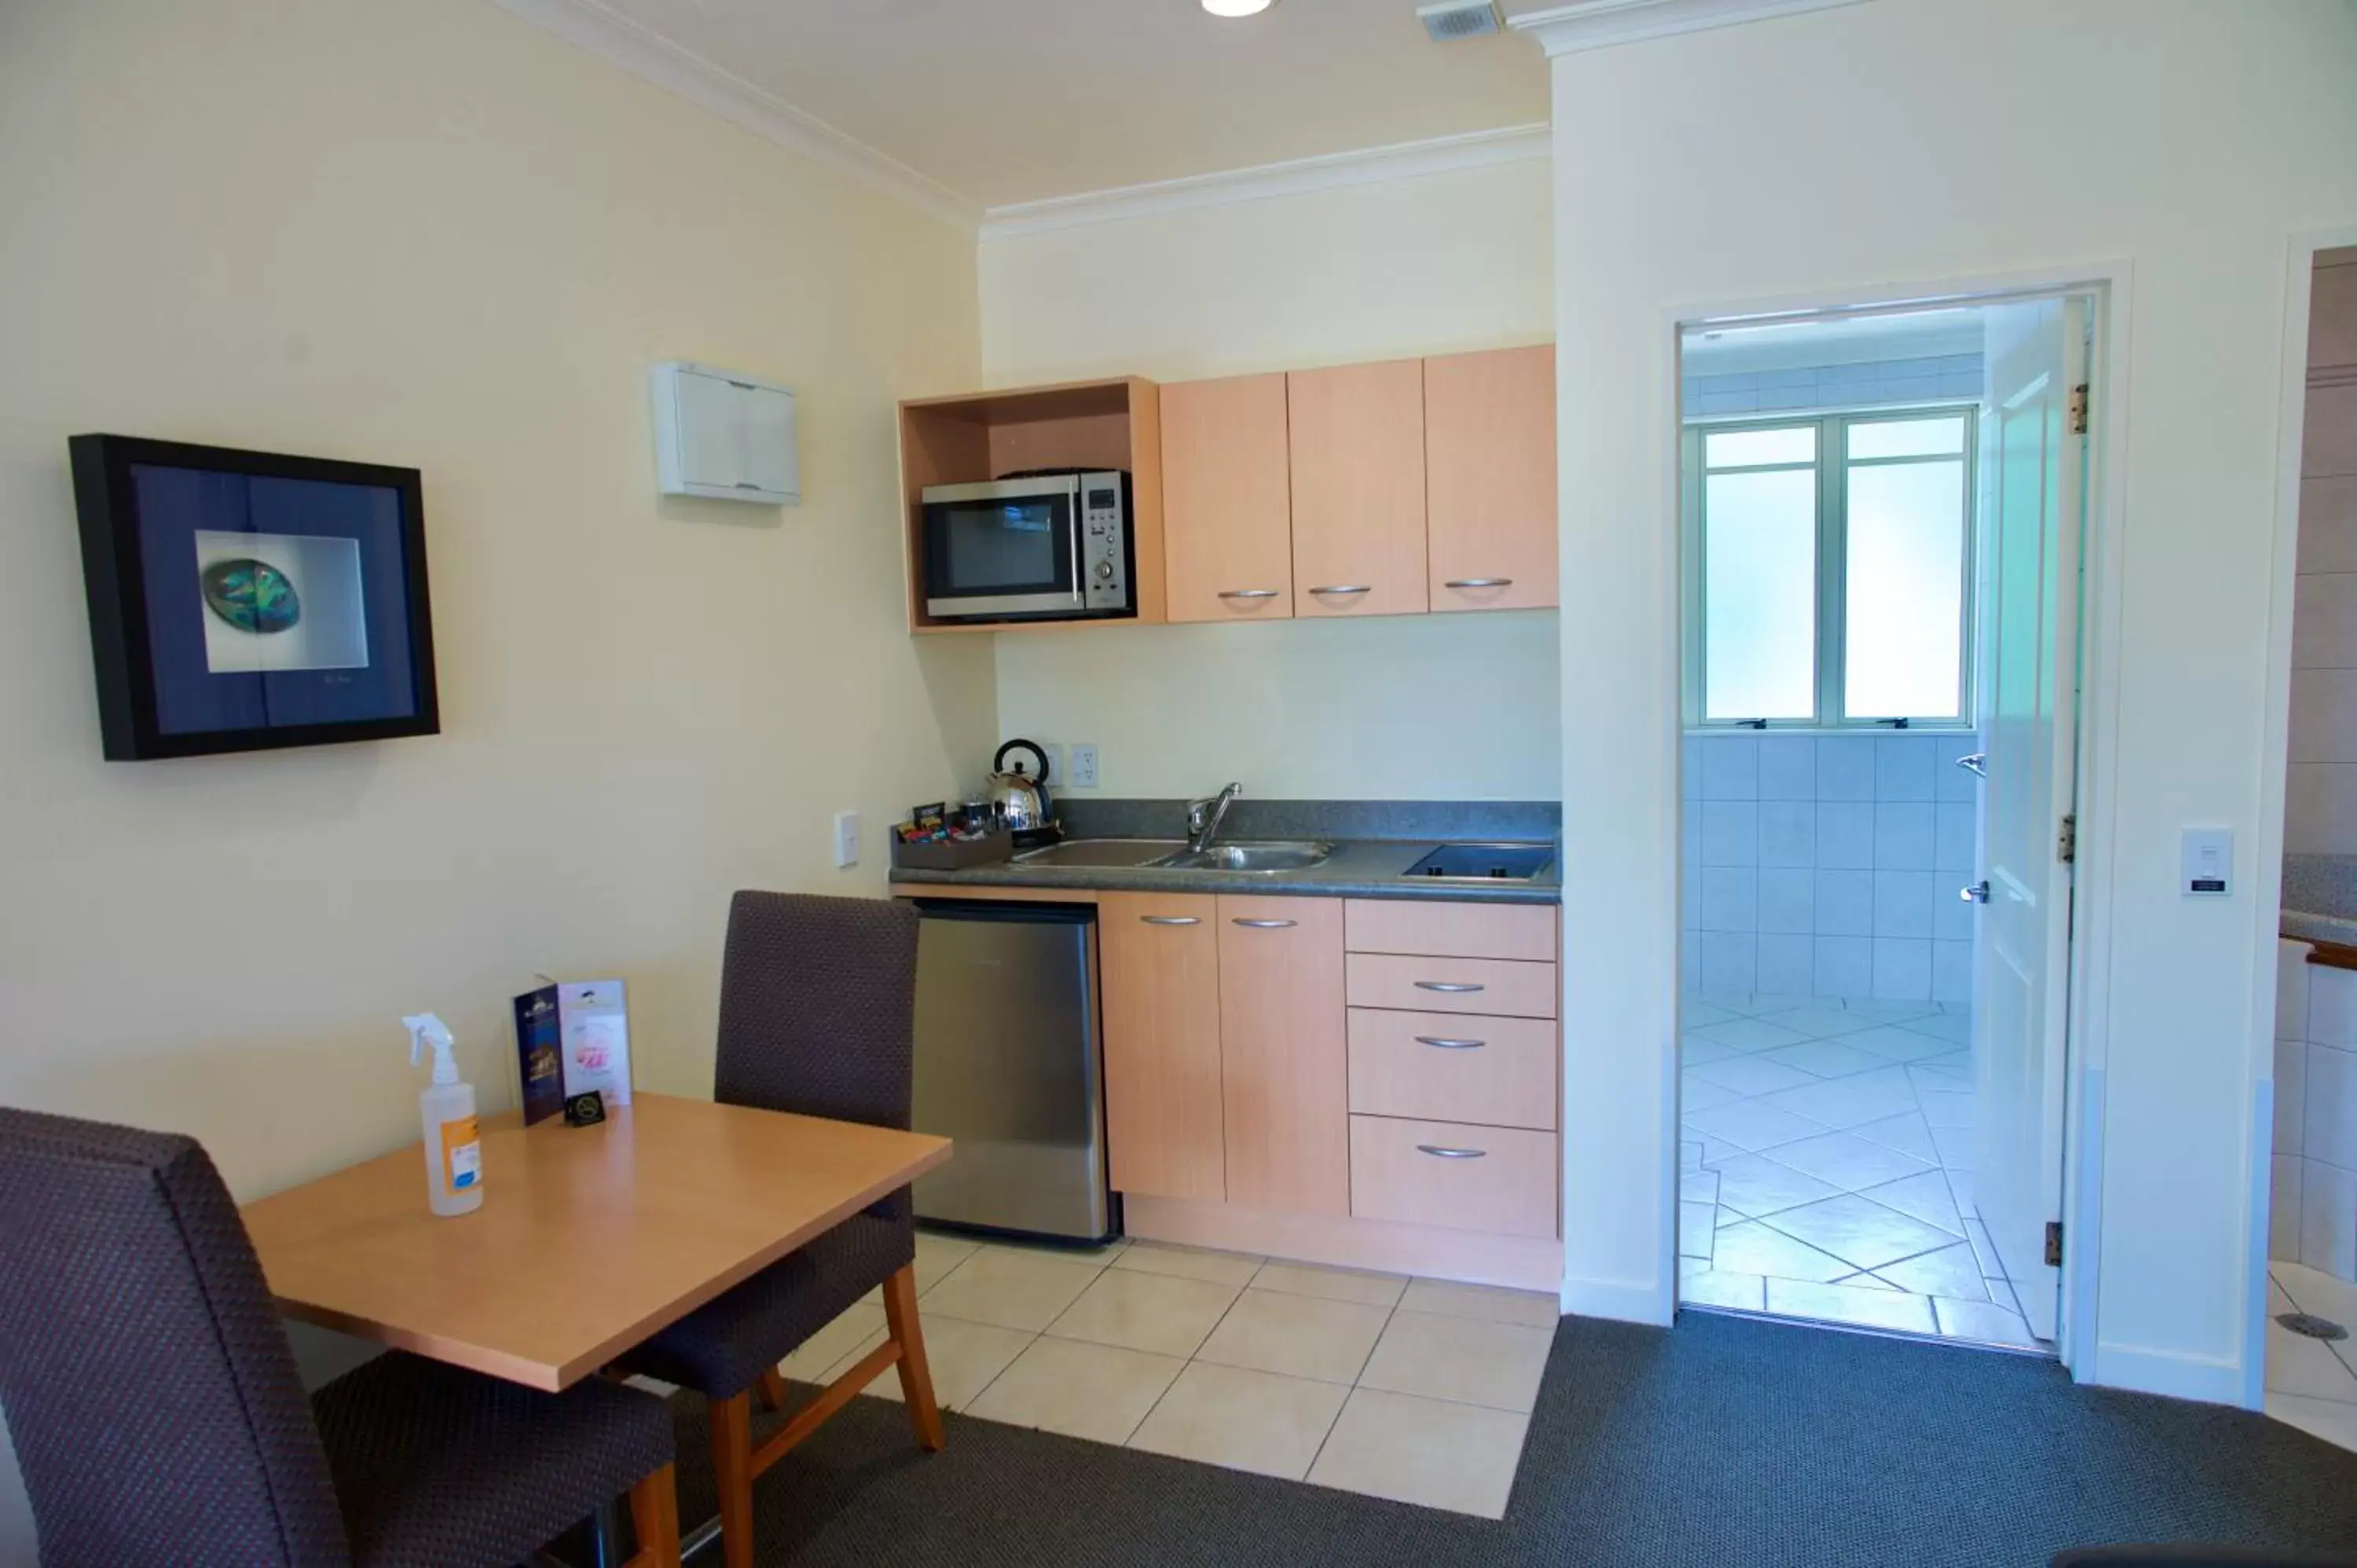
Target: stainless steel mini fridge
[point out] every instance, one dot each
(1010, 1065)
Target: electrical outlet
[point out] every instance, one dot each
(1084, 766)
(846, 838)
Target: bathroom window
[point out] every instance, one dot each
(1829, 570)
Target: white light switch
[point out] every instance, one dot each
(2208, 862)
(1084, 766)
(846, 838)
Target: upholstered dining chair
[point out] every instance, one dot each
(159, 1420)
(817, 1016)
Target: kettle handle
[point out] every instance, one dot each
(998, 763)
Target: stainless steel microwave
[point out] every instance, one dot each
(1038, 547)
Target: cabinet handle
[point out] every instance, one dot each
(1453, 987)
(1344, 588)
(1248, 592)
(1171, 919)
(1444, 1043)
(1478, 582)
(1443, 1151)
(1264, 925)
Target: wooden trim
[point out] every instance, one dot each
(2331, 955)
(654, 1519)
(1521, 1262)
(1003, 894)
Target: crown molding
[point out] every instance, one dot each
(1328, 171)
(655, 59)
(1602, 24)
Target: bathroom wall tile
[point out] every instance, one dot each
(2291, 989)
(2332, 1007)
(1730, 767)
(1952, 919)
(2320, 808)
(2283, 1206)
(2324, 715)
(1690, 768)
(1730, 963)
(1787, 964)
(1690, 965)
(1723, 403)
(1902, 969)
(2324, 621)
(1961, 384)
(1902, 908)
(1956, 836)
(1846, 833)
(1949, 782)
(2291, 1094)
(1902, 835)
(1788, 904)
(1690, 869)
(1902, 766)
(1788, 832)
(2328, 1218)
(1788, 767)
(2329, 437)
(1730, 898)
(1844, 966)
(1844, 908)
(2329, 1130)
(2328, 524)
(1951, 971)
(1846, 767)
(1730, 833)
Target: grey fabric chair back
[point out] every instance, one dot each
(148, 1384)
(818, 1007)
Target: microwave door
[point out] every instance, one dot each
(1003, 555)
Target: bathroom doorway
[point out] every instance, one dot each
(1881, 512)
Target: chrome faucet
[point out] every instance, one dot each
(1204, 816)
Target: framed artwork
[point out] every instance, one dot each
(244, 601)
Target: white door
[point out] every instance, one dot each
(2033, 469)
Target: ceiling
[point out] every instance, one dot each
(1013, 100)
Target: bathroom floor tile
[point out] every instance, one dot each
(1819, 1022)
(1748, 1075)
(1852, 1305)
(1846, 1161)
(1717, 1287)
(1756, 1185)
(1860, 1232)
(1983, 1321)
(1244, 1420)
(1097, 1392)
(1296, 1336)
(1905, 1133)
(1751, 1124)
(1925, 1198)
(1751, 1248)
(1748, 1034)
(1822, 1058)
(1952, 1271)
(1455, 1456)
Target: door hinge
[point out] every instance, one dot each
(2066, 843)
(2054, 1243)
(2079, 409)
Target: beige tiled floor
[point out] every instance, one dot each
(1413, 1390)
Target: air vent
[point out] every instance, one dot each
(1454, 19)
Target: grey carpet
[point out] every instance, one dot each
(1724, 1441)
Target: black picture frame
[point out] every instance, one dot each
(124, 623)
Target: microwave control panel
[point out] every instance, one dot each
(1104, 541)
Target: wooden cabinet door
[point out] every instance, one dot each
(1356, 436)
(1159, 957)
(1489, 442)
(1226, 512)
(1284, 1054)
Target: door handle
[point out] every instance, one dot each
(1248, 592)
(1442, 1042)
(1976, 764)
(1171, 919)
(1478, 582)
(1264, 925)
(1453, 987)
(1976, 894)
(1443, 1151)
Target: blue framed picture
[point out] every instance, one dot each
(244, 601)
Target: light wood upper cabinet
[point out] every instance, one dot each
(1159, 957)
(1284, 1054)
(1227, 524)
(1356, 438)
(1488, 434)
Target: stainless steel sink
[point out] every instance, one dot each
(1263, 858)
(1103, 854)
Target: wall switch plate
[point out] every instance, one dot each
(846, 838)
(2207, 869)
(1084, 766)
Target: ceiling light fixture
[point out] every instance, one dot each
(1235, 7)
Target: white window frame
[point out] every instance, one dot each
(1832, 427)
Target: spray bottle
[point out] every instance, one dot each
(454, 1150)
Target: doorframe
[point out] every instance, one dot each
(2110, 286)
(2274, 763)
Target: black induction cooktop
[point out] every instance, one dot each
(1484, 863)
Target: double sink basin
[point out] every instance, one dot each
(1263, 857)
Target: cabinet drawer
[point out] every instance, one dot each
(1498, 1072)
(1524, 931)
(1452, 984)
(1500, 1179)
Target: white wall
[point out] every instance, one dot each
(1697, 172)
(431, 234)
(1460, 706)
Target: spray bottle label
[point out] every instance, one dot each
(462, 1154)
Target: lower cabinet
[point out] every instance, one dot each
(1284, 1058)
(1159, 955)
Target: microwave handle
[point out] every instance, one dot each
(1080, 564)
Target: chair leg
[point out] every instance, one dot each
(654, 1519)
(915, 1375)
(731, 1476)
(773, 1389)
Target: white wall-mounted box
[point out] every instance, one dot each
(724, 435)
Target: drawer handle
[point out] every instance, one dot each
(1264, 925)
(1453, 987)
(1443, 1151)
(1443, 1043)
(1171, 919)
(1478, 582)
(1248, 592)
(1344, 588)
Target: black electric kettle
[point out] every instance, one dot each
(1021, 798)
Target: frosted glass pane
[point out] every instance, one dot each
(1753, 448)
(1903, 651)
(1909, 438)
(1760, 594)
